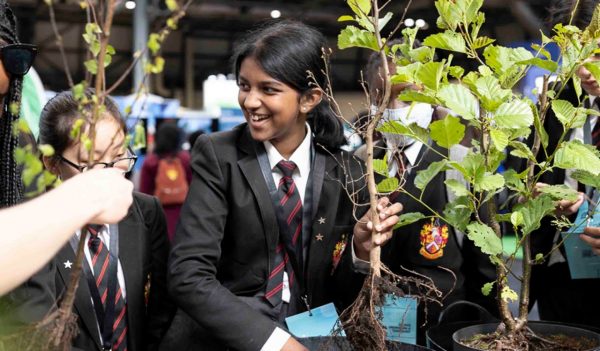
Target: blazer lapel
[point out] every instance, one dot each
(83, 300)
(250, 168)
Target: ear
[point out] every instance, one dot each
(51, 164)
(310, 99)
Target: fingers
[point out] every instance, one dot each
(566, 207)
(592, 238)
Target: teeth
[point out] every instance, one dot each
(257, 118)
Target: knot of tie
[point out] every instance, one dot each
(286, 167)
(94, 241)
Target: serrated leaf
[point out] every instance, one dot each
(539, 258)
(360, 7)
(499, 139)
(514, 115)
(430, 74)
(486, 290)
(521, 150)
(516, 218)
(560, 192)
(381, 167)
(426, 175)
(565, 112)
(542, 51)
(586, 178)
(456, 71)
(457, 187)
(458, 213)
(415, 96)
(491, 93)
(533, 210)
(513, 180)
(91, 66)
(509, 294)
(423, 54)
(412, 130)
(408, 218)
(95, 47)
(484, 238)
(110, 50)
(448, 40)
(352, 36)
(388, 185)
(482, 41)
(575, 155)
(488, 182)
(450, 15)
(447, 131)
(472, 166)
(541, 63)
(460, 100)
(472, 9)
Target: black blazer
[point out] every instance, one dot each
(228, 232)
(143, 251)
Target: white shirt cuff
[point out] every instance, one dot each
(276, 341)
(360, 266)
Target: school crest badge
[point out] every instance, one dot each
(433, 240)
(340, 246)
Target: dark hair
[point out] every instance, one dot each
(11, 187)
(193, 136)
(59, 115)
(287, 50)
(168, 138)
(561, 11)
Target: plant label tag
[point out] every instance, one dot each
(319, 321)
(400, 319)
(583, 263)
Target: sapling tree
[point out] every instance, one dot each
(504, 121)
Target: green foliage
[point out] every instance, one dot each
(457, 187)
(388, 185)
(139, 136)
(355, 37)
(425, 176)
(448, 40)
(499, 139)
(484, 238)
(460, 100)
(458, 212)
(533, 210)
(491, 93)
(586, 178)
(514, 115)
(488, 182)
(447, 131)
(486, 290)
(408, 218)
(172, 5)
(381, 167)
(560, 192)
(509, 294)
(576, 155)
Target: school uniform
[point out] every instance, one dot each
(142, 250)
(559, 297)
(227, 236)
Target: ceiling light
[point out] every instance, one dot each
(409, 22)
(420, 23)
(275, 13)
(130, 5)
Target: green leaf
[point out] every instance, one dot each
(516, 219)
(412, 130)
(541, 63)
(491, 93)
(509, 294)
(172, 23)
(423, 54)
(415, 96)
(472, 9)
(388, 185)
(568, 115)
(76, 129)
(460, 100)
(513, 180)
(488, 182)
(360, 7)
(457, 187)
(46, 150)
(381, 167)
(139, 137)
(542, 51)
(573, 154)
(408, 218)
(484, 238)
(514, 115)
(426, 175)
(482, 41)
(447, 131)
(352, 36)
(383, 21)
(79, 90)
(159, 64)
(456, 71)
(110, 50)
(458, 213)
(95, 47)
(345, 18)
(486, 290)
(448, 40)
(472, 166)
(521, 150)
(91, 66)
(450, 14)
(154, 43)
(499, 139)
(430, 74)
(560, 192)
(172, 5)
(586, 178)
(533, 211)
(594, 68)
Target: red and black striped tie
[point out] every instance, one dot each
(289, 247)
(99, 253)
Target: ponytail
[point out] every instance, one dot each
(326, 126)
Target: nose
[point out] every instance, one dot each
(251, 100)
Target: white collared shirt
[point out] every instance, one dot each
(411, 152)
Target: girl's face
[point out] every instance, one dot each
(273, 110)
(4, 80)
(108, 147)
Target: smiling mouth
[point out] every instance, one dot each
(258, 118)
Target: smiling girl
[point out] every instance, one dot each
(266, 230)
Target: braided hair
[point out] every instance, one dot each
(11, 188)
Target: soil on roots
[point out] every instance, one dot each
(527, 340)
(54, 333)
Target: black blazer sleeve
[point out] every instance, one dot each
(195, 257)
(161, 309)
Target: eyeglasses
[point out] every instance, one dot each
(18, 58)
(124, 163)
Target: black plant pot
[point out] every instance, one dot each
(537, 327)
(330, 343)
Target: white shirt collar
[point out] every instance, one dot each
(592, 98)
(301, 156)
(412, 152)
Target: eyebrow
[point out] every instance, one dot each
(264, 82)
(114, 148)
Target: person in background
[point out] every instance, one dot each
(125, 264)
(166, 172)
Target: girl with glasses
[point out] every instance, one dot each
(122, 303)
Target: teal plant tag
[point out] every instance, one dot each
(583, 263)
(400, 319)
(318, 321)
